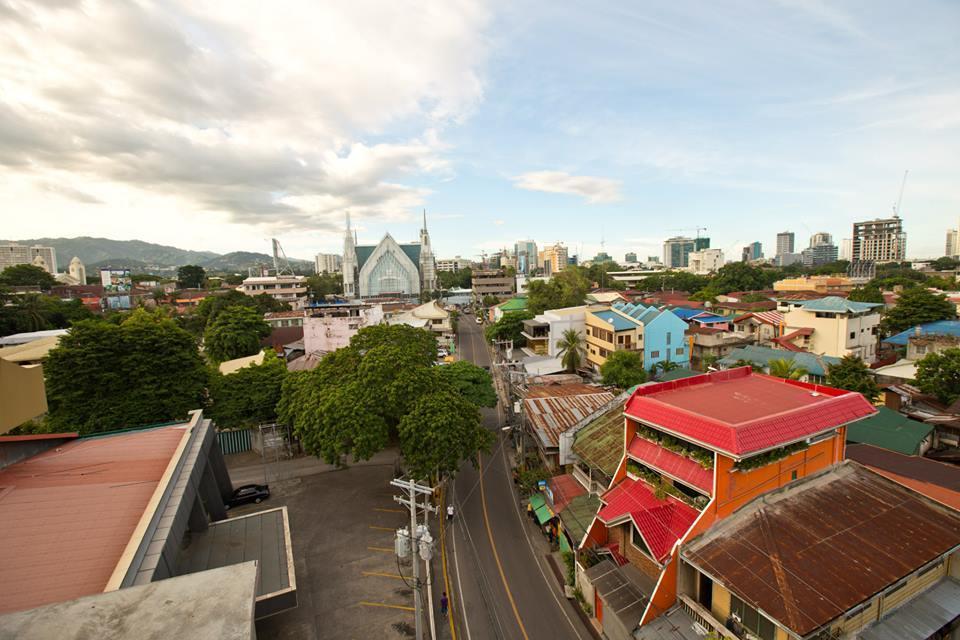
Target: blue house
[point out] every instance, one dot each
(663, 334)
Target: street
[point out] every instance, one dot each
(500, 579)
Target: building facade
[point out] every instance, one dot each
(880, 240)
(705, 261)
(676, 252)
(388, 269)
(328, 327)
(821, 250)
(554, 259)
(283, 288)
(13, 254)
(630, 257)
(328, 263)
(453, 264)
(751, 252)
(952, 250)
(491, 282)
(785, 242)
(831, 326)
(525, 252)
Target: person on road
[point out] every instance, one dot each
(449, 512)
(443, 603)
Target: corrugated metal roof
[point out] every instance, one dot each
(767, 317)
(939, 328)
(808, 553)
(565, 407)
(920, 618)
(600, 444)
(680, 467)
(617, 321)
(814, 364)
(937, 480)
(578, 516)
(740, 412)
(891, 430)
(837, 304)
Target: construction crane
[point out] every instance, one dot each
(697, 229)
(280, 263)
(896, 208)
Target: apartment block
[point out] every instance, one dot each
(14, 254)
(880, 240)
(328, 263)
(831, 326)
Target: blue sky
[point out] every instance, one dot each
(556, 121)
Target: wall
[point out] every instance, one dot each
(655, 339)
(23, 394)
(594, 343)
(831, 335)
(636, 557)
(323, 335)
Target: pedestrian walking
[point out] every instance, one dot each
(449, 512)
(443, 603)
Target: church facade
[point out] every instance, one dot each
(388, 268)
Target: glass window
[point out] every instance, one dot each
(654, 354)
(679, 352)
(668, 337)
(752, 619)
(638, 542)
(853, 334)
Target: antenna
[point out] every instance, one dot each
(280, 263)
(896, 209)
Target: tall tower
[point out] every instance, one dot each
(77, 271)
(428, 265)
(349, 262)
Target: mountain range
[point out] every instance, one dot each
(138, 255)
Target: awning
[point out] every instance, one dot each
(564, 545)
(921, 617)
(540, 508)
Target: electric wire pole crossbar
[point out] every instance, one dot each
(418, 542)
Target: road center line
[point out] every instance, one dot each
(496, 556)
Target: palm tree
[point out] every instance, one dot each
(571, 349)
(783, 368)
(747, 363)
(30, 309)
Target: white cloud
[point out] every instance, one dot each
(590, 188)
(276, 117)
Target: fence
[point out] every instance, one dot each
(235, 441)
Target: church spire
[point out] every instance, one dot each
(424, 219)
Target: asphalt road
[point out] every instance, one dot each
(501, 583)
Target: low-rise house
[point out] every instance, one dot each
(893, 431)
(328, 327)
(831, 326)
(598, 449)
(430, 316)
(763, 327)
(544, 331)
(710, 343)
(514, 304)
(608, 331)
(843, 553)
(939, 481)
(930, 337)
(552, 414)
(657, 333)
(820, 284)
(278, 319)
(760, 357)
(696, 451)
(283, 288)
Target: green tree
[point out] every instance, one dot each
(945, 264)
(939, 374)
(747, 363)
(265, 303)
(106, 376)
(674, 281)
(509, 327)
(866, 294)
(455, 279)
(473, 383)
(664, 366)
(441, 431)
(853, 374)
(623, 369)
(324, 284)
(236, 332)
(571, 346)
(568, 288)
(740, 276)
(191, 276)
(422, 343)
(248, 396)
(917, 306)
(27, 275)
(783, 368)
(490, 301)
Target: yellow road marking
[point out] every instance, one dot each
(496, 556)
(381, 528)
(383, 575)
(386, 606)
(389, 510)
(446, 579)
(383, 549)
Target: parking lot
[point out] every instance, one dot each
(342, 525)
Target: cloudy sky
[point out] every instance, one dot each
(217, 125)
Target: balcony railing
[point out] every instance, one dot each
(704, 618)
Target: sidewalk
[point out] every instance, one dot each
(248, 468)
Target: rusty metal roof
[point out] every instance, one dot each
(553, 409)
(808, 553)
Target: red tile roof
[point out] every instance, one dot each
(565, 488)
(660, 522)
(680, 467)
(68, 513)
(741, 413)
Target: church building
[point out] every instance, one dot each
(388, 268)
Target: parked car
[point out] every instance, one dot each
(479, 320)
(442, 353)
(248, 493)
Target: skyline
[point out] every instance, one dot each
(210, 127)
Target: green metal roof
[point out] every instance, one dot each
(890, 430)
(365, 251)
(837, 304)
(678, 374)
(762, 356)
(600, 443)
(517, 303)
(578, 515)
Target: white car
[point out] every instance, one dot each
(479, 320)
(442, 353)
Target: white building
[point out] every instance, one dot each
(453, 264)
(329, 327)
(285, 288)
(952, 249)
(831, 326)
(328, 263)
(388, 268)
(705, 261)
(544, 331)
(880, 240)
(77, 274)
(13, 254)
(846, 249)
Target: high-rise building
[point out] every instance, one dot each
(526, 254)
(846, 249)
(821, 250)
(14, 254)
(819, 238)
(676, 251)
(630, 257)
(880, 240)
(705, 261)
(952, 249)
(751, 252)
(701, 243)
(554, 258)
(327, 263)
(603, 256)
(785, 243)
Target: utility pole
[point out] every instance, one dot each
(417, 541)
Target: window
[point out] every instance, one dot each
(853, 334)
(751, 619)
(921, 348)
(668, 337)
(679, 352)
(654, 354)
(637, 540)
(793, 474)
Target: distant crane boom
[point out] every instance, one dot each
(280, 263)
(896, 209)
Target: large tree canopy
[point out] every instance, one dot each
(853, 374)
(191, 276)
(623, 369)
(441, 431)
(27, 275)
(473, 383)
(35, 312)
(917, 306)
(939, 374)
(249, 396)
(106, 376)
(509, 327)
(565, 289)
(235, 333)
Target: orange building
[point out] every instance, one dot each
(696, 450)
